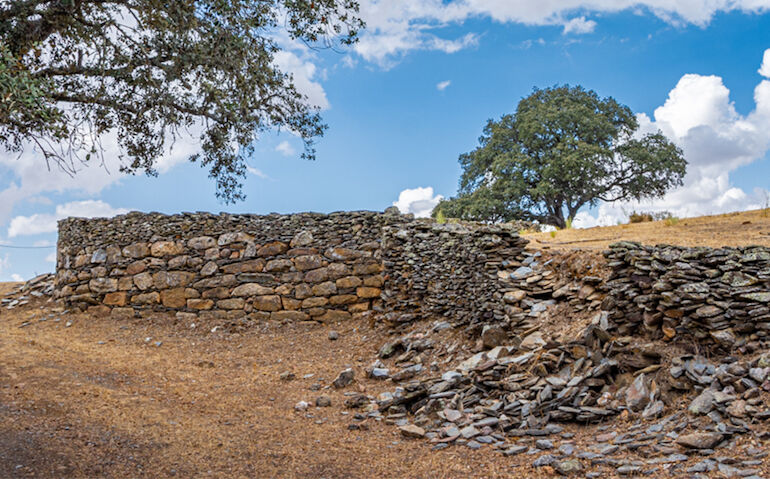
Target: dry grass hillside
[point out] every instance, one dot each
(731, 229)
(89, 397)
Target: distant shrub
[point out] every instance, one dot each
(640, 217)
(553, 234)
(671, 221)
(440, 218)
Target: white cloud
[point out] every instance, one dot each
(700, 118)
(51, 258)
(17, 278)
(46, 223)
(764, 69)
(285, 149)
(303, 72)
(395, 27)
(579, 25)
(419, 201)
(256, 172)
(441, 86)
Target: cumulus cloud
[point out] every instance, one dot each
(46, 223)
(395, 27)
(419, 201)
(579, 25)
(441, 86)
(700, 118)
(17, 278)
(764, 69)
(285, 149)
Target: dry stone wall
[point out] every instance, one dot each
(448, 270)
(284, 267)
(296, 267)
(715, 295)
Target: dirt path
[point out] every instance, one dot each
(98, 399)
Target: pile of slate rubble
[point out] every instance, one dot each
(41, 286)
(656, 400)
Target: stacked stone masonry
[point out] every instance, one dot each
(712, 294)
(282, 267)
(448, 270)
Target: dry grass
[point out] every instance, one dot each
(731, 229)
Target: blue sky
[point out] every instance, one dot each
(416, 92)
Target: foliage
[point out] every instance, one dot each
(440, 218)
(73, 71)
(671, 221)
(641, 217)
(563, 148)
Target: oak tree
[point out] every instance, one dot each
(73, 71)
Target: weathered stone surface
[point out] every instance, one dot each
(367, 292)
(344, 378)
(173, 298)
(171, 279)
(348, 282)
(103, 285)
(166, 248)
(235, 237)
(307, 262)
(324, 289)
(289, 316)
(700, 440)
(251, 289)
(317, 275)
(119, 299)
(146, 298)
(201, 242)
(232, 303)
(273, 248)
(204, 304)
(267, 303)
(302, 238)
(136, 250)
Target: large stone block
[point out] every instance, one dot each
(136, 267)
(289, 316)
(136, 250)
(267, 303)
(251, 266)
(314, 302)
(146, 298)
(348, 282)
(307, 262)
(201, 242)
(172, 279)
(317, 275)
(278, 265)
(342, 299)
(160, 249)
(221, 292)
(232, 303)
(326, 288)
(173, 298)
(103, 285)
(272, 249)
(200, 304)
(252, 289)
(236, 237)
(367, 292)
(342, 254)
(115, 299)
